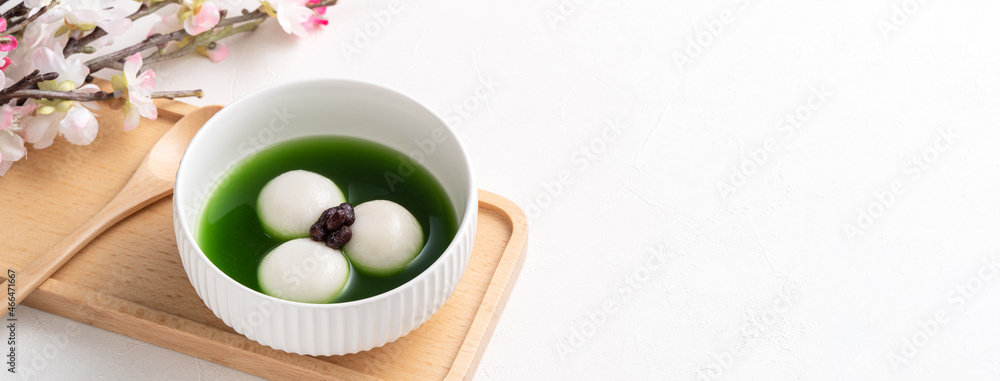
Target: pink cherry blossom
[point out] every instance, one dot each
(7, 43)
(75, 122)
(316, 20)
(36, 35)
(292, 15)
(49, 60)
(204, 17)
(38, 129)
(11, 143)
(195, 16)
(11, 114)
(78, 124)
(11, 150)
(137, 89)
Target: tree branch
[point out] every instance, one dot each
(79, 45)
(23, 23)
(259, 14)
(151, 41)
(113, 59)
(28, 81)
(89, 97)
(199, 41)
(177, 94)
(67, 95)
(16, 11)
(25, 82)
(148, 10)
(23, 88)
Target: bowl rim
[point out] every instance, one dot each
(467, 217)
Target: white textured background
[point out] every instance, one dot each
(707, 239)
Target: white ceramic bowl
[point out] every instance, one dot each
(310, 108)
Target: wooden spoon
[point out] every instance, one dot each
(153, 180)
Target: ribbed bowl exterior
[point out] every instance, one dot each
(299, 110)
(328, 329)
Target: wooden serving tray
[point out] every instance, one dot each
(130, 280)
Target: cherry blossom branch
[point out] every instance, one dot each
(23, 23)
(81, 45)
(41, 87)
(227, 26)
(151, 41)
(260, 14)
(145, 10)
(114, 60)
(89, 97)
(29, 80)
(67, 95)
(206, 41)
(177, 94)
(17, 11)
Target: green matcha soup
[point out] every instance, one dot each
(231, 235)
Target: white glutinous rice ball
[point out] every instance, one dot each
(290, 203)
(386, 237)
(303, 270)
